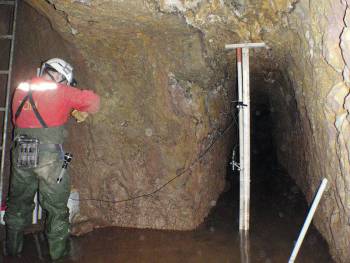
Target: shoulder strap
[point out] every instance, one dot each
(20, 107)
(36, 112)
(35, 109)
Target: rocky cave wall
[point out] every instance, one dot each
(308, 84)
(164, 77)
(163, 113)
(313, 130)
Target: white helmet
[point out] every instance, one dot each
(60, 66)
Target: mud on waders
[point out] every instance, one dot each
(37, 164)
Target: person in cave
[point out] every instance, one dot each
(40, 109)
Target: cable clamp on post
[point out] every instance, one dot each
(240, 104)
(235, 165)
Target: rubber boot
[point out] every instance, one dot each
(58, 248)
(14, 242)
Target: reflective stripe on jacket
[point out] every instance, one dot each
(54, 102)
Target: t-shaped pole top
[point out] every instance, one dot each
(245, 45)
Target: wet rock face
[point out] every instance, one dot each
(163, 74)
(158, 143)
(314, 137)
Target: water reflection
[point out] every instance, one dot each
(244, 246)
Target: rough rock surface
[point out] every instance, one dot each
(164, 112)
(162, 71)
(314, 139)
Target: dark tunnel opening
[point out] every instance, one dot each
(278, 207)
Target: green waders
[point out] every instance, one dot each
(53, 197)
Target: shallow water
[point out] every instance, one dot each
(278, 211)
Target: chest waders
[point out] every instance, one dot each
(27, 177)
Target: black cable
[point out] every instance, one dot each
(200, 157)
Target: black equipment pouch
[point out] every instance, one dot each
(27, 149)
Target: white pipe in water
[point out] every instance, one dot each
(244, 129)
(244, 246)
(241, 134)
(308, 221)
(245, 179)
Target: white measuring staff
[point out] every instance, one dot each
(244, 128)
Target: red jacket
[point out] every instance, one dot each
(54, 102)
